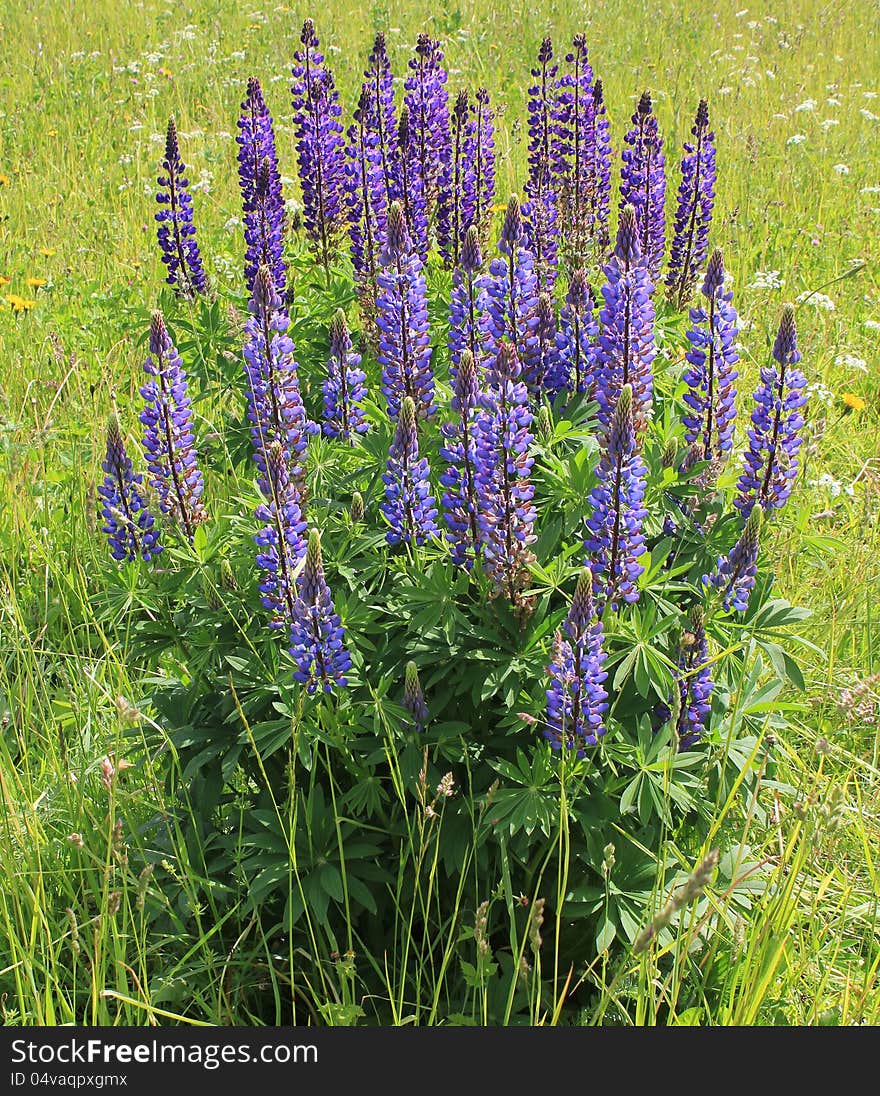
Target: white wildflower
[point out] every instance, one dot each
(806, 105)
(827, 123)
(872, 325)
(766, 279)
(817, 300)
(850, 361)
(841, 169)
(870, 115)
(796, 139)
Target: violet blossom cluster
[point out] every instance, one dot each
(168, 441)
(511, 287)
(643, 184)
(380, 116)
(625, 349)
(344, 388)
(600, 189)
(427, 102)
(317, 638)
(615, 540)
(466, 304)
(409, 506)
(575, 145)
(366, 202)
(128, 523)
(696, 200)
(540, 210)
(319, 144)
(577, 699)
(261, 193)
(281, 540)
(414, 697)
(456, 210)
(176, 230)
(735, 574)
(711, 376)
(459, 447)
(770, 463)
(404, 344)
(578, 333)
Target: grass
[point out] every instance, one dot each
(85, 92)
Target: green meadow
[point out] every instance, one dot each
(86, 91)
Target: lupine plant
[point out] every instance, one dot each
(552, 643)
(176, 229)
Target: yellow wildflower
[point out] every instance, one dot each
(51, 132)
(167, 73)
(4, 180)
(853, 402)
(4, 280)
(19, 304)
(47, 251)
(35, 283)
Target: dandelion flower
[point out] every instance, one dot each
(853, 402)
(35, 283)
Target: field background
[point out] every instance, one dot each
(85, 93)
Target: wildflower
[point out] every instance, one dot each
(506, 517)
(459, 448)
(409, 507)
(127, 522)
(426, 100)
(446, 788)
(696, 199)
(817, 300)
(841, 169)
(625, 348)
(576, 699)
(366, 196)
(693, 679)
(413, 197)
(4, 280)
(404, 342)
(643, 184)
(344, 389)
(35, 283)
(281, 539)
(458, 183)
(796, 139)
(47, 252)
(578, 331)
(615, 541)
(770, 463)
(711, 379)
(176, 232)
(850, 361)
(735, 574)
(853, 402)
(574, 133)
(414, 698)
(168, 443)
(511, 289)
(600, 191)
(261, 192)
(541, 368)
(540, 210)
(766, 279)
(275, 408)
(484, 161)
(4, 180)
(319, 145)
(20, 304)
(379, 117)
(317, 638)
(467, 301)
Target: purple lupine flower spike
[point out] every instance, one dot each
(694, 682)
(625, 348)
(735, 574)
(484, 163)
(511, 289)
(696, 200)
(412, 190)
(600, 192)
(711, 378)
(578, 334)
(770, 464)
(541, 208)
(540, 367)
(168, 442)
(467, 301)
(128, 523)
(456, 211)
(506, 516)
(319, 144)
(381, 116)
(261, 192)
(404, 342)
(427, 102)
(409, 507)
(177, 231)
(317, 638)
(575, 136)
(275, 407)
(643, 184)
(367, 204)
(576, 699)
(615, 540)
(414, 697)
(281, 540)
(459, 447)
(344, 389)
